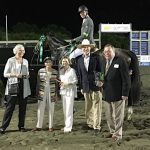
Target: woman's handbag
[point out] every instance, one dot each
(13, 89)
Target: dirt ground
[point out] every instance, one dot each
(136, 133)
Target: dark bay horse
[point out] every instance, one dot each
(134, 95)
(56, 48)
(52, 46)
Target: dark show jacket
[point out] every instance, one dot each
(88, 29)
(117, 80)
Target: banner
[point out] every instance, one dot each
(115, 28)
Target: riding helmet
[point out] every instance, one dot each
(82, 8)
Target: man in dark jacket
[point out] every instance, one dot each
(89, 65)
(116, 91)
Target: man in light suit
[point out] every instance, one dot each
(89, 64)
(116, 91)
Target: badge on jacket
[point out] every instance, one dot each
(116, 65)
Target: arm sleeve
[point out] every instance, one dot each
(79, 76)
(85, 32)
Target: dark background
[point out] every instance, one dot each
(64, 13)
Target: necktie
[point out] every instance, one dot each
(107, 66)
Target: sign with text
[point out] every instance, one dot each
(115, 27)
(145, 58)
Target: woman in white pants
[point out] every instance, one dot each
(68, 92)
(47, 93)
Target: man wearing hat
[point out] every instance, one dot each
(87, 30)
(89, 64)
(47, 90)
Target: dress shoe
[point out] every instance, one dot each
(51, 130)
(86, 127)
(96, 132)
(2, 131)
(108, 135)
(22, 129)
(36, 129)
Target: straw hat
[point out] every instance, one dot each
(86, 42)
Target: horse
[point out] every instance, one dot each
(52, 46)
(57, 48)
(134, 94)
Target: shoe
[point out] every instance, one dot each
(67, 131)
(22, 129)
(87, 127)
(108, 135)
(96, 132)
(51, 130)
(36, 129)
(119, 142)
(2, 131)
(115, 138)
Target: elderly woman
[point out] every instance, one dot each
(47, 92)
(68, 92)
(16, 70)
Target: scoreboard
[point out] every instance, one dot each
(140, 45)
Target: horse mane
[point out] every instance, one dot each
(54, 40)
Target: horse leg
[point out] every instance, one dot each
(129, 113)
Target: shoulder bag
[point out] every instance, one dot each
(13, 88)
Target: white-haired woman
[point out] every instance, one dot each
(16, 70)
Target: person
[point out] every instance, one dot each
(116, 90)
(47, 93)
(68, 92)
(16, 70)
(87, 31)
(89, 64)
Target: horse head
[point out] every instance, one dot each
(54, 47)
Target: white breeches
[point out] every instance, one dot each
(68, 102)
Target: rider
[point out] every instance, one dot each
(87, 30)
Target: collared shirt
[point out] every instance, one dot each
(108, 64)
(86, 61)
(110, 61)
